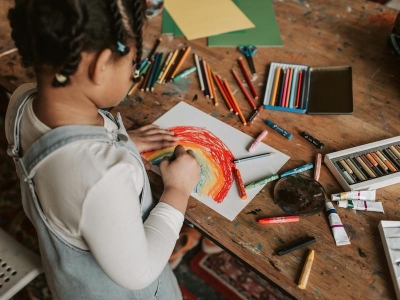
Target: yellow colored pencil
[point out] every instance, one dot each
(181, 61)
(169, 65)
(275, 88)
(235, 103)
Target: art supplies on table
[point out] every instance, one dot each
(312, 140)
(302, 89)
(257, 142)
(390, 235)
(367, 167)
(304, 168)
(278, 129)
(215, 145)
(339, 233)
(305, 273)
(355, 195)
(239, 160)
(275, 220)
(318, 162)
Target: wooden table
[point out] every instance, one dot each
(315, 33)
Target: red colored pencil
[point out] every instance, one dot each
(299, 89)
(227, 96)
(286, 219)
(283, 104)
(249, 83)
(246, 94)
(289, 87)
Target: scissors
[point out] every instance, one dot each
(249, 52)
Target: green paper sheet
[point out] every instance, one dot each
(169, 26)
(266, 32)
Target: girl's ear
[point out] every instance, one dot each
(100, 67)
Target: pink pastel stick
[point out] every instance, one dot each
(283, 104)
(258, 140)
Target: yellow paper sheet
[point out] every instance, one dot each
(204, 18)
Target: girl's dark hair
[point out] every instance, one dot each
(53, 33)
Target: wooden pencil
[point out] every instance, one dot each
(196, 60)
(174, 64)
(299, 89)
(275, 87)
(212, 85)
(203, 74)
(246, 76)
(168, 66)
(221, 91)
(181, 61)
(152, 71)
(153, 50)
(246, 94)
(221, 82)
(135, 86)
(146, 77)
(157, 71)
(207, 79)
(235, 103)
(289, 87)
(165, 66)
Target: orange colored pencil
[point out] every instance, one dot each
(168, 67)
(235, 102)
(212, 85)
(246, 94)
(222, 91)
(275, 87)
(246, 76)
(181, 61)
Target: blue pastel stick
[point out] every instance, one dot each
(278, 129)
(293, 91)
(298, 170)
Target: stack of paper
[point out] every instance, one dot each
(224, 22)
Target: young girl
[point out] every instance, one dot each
(84, 186)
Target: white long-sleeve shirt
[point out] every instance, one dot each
(89, 192)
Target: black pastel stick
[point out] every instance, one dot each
(296, 246)
(312, 139)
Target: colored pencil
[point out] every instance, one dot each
(152, 71)
(174, 65)
(153, 50)
(222, 91)
(293, 91)
(287, 98)
(207, 79)
(235, 102)
(304, 89)
(146, 77)
(246, 94)
(212, 85)
(203, 74)
(168, 67)
(281, 89)
(157, 71)
(240, 184)
(239, 160)
(196, 59)
(165, 66)
(181, 61)
(246, 76)
(283, 102)
(275, 87)
(299, 89)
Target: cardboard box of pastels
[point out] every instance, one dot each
(302, 89)
(367, 167)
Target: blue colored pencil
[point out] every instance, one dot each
(157, 72)
(152, 71)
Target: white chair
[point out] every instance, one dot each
(18, 266)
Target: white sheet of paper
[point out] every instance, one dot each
(238, 142)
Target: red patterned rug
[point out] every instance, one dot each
(232, 279)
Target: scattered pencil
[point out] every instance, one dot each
(235, 103)
(196, 59)
(222, 92)
(165, 66)
(153, 50)
(255, 114)
(181, 61)
(212, 86)
(207, 79)
(246, 76)
(246, 94)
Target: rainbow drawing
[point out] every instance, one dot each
(212, 154)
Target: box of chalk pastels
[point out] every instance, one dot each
(302, 89)
(367, 167)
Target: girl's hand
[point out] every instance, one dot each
(180, 175)
(152, 137)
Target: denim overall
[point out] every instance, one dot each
(73, 273)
